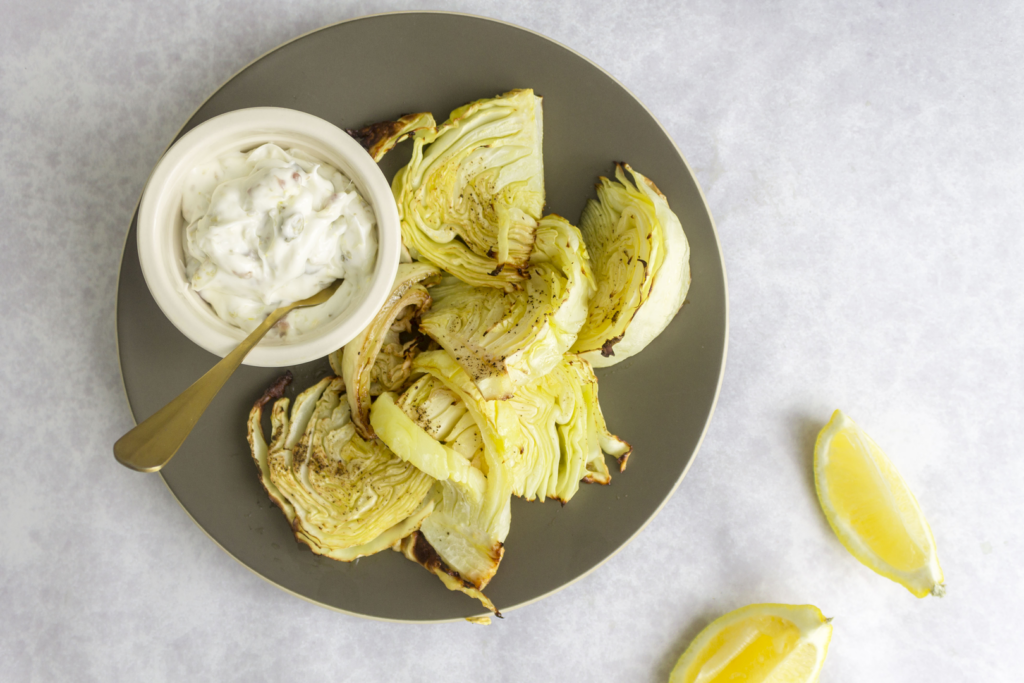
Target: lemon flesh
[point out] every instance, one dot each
(762, 643)
(872, 510)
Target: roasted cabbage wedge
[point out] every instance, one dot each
(441, 413)
(641, 261)
(506, 339)
(566, 435)
(377, 360)
(462, 441)
(380, 138)
(344, 497)
(467, 528)
(472, 194)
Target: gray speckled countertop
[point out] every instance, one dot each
(864, 167)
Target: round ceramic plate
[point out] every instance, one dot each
(376, 68)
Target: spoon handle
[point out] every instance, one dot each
(155, 440)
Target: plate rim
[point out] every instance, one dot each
(725, 292)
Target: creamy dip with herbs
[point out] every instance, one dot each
(269, 227)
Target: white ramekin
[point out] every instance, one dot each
(160, 228)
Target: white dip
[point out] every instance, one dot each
(269, 227)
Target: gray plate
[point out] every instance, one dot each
(661, 401)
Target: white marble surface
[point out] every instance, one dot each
(865, 169)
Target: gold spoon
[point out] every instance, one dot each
(155, 440)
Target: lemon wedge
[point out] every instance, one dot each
(763, 643)
(872, 510)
